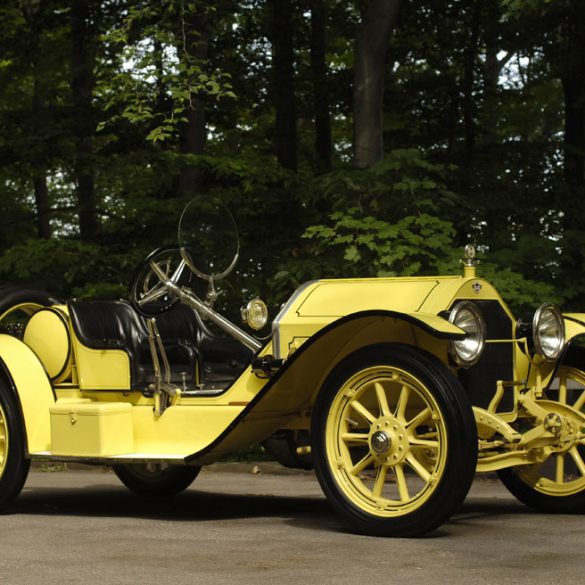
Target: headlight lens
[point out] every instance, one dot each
(468, 317)
(548, 332)
(255, 314)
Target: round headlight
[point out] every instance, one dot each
(548, 332)
(255, 314)
(468, 317)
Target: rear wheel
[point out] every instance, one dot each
(395, 443)
(156, 479)
(290, 448)
(13, 464)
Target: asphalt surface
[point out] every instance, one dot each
(233, 526)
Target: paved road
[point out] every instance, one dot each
(232, 528)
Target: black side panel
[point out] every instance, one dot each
(496, 362)
(498, 324)
(481, 379)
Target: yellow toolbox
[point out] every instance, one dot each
(91, 429)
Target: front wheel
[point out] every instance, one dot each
(395, 441)
(156, 479)
(14, 466)
(557, 485)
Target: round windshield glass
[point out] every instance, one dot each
(208, 238)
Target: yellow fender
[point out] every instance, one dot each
(574, 325)
(23, 372)
(292, 391)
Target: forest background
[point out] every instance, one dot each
(349, 138)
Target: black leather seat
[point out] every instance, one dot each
(188, 343)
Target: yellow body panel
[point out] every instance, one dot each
(187, 426)
(33, 388)
(322, 302)
(337, 298)
(101, 369)
(574, 325)
(91, 429)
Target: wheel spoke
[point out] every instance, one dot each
(361, 409)
(361, 465)
(560, 468)
(563, 389)
(424, 443)
(382, 400)
(402, 402)
(419, 418)
(401, 482)
(354, 437)
(580, 402)
(380, 480)
(576, 456)
(418, 467)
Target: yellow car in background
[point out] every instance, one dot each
(396, 390)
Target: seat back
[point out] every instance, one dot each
(194, 353)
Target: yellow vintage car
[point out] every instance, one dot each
(396, 390)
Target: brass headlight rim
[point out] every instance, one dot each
(247, 311)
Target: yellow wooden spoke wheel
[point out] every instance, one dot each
(395, 444)
(557, 484)
(13, 464)
(156, 479)
(4, 445)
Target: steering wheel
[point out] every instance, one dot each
(207, 226)
(148, 294)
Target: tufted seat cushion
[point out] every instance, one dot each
(188, 343)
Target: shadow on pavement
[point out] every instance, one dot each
(313, 513)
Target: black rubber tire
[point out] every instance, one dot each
(16, 467)
(573, 504)
(461, 460)
(11, 296)
(165, 482)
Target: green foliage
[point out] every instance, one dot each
(384, 221)
(68, 268)
(158, 73)
(374, 247)
(472, 153)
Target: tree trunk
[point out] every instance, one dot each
(33, 15)
(573, 202)
(468, 81)
(283, 89)
(42, 203)
(370, 60)
(320, 85)
(573, 81)
(193, 133)
(83, 33)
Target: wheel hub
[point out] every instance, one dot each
(553, 423)
(388, 441)
(381, 442)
